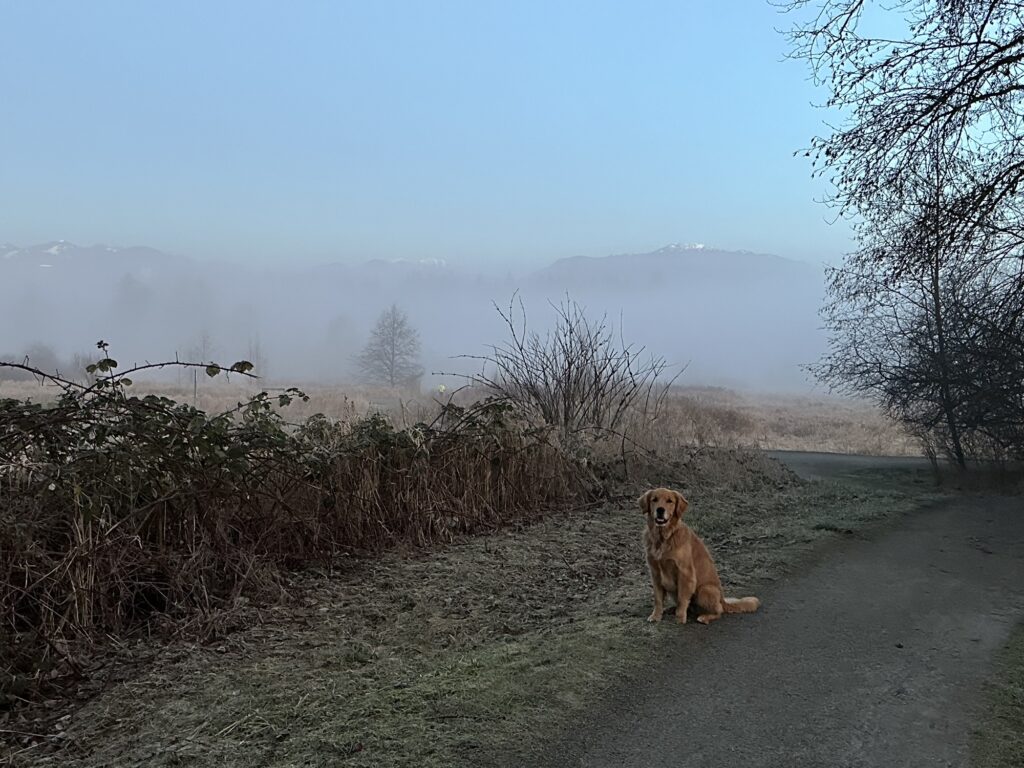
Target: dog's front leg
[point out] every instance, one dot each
(686, 585)
(659, 591)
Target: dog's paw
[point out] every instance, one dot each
(654, 618)
(705, 619)
(681, 618)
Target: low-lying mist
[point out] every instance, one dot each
(733, 319)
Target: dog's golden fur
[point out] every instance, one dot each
(680, 564)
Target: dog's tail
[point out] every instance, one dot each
(740, 604)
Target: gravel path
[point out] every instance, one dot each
(875, 657)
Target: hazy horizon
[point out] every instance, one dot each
(733, 318)
(262, 143)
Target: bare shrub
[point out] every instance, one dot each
(578, 377)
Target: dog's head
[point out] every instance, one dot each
(662, 506)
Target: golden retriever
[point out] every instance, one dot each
(680, 563)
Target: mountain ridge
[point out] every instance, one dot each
(66, 251)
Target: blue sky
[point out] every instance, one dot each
(484, 133)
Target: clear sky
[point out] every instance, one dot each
(475, 131)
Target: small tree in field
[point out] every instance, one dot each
(391, 356)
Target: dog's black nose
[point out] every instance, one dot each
(660, 510)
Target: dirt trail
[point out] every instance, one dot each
(875, 657)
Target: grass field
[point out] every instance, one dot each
(822, 423)
(691, 416)
(447, 658)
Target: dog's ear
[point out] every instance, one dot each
(644, 501)
(681, 503)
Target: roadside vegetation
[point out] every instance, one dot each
(119, 511)
(181, 586)
(447, 657)
(234, 589)
(999, 739)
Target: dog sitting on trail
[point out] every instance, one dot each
(680, 563)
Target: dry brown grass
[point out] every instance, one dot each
(709, 416)
(690, 416)
(339, 403)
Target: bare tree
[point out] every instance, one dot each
(928, 162)
(201, 348)
(957, 69)
(391, 356)
(964, 398)
(256, 355)
(38, 355)
(927, 320)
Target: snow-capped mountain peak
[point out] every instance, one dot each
(57, 249)
(684, 247)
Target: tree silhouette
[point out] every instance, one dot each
(956, 69)
(927, 315)
(391, 356)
